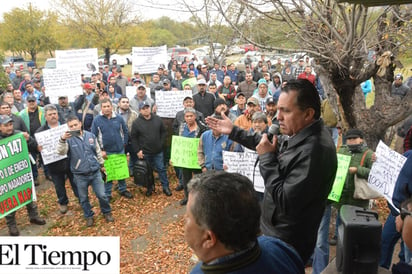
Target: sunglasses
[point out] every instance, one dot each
(404, 213)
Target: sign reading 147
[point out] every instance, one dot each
(10, 149)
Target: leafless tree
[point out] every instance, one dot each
(339, 36)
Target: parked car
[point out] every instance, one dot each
(50, 63)
(254, 59)
(121, 60)
(179, 52)
(18, 61)
(249, 47)
(235, 50)
(200, 53)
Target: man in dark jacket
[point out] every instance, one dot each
(298, 172)
(7, 130)
(148, 136)
(58, 170)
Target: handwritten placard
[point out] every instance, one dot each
(244, 163)
(116, 167)
(184, 152)
(49, 139)
(191, 81)
(84, 61)
(340, 178)
(62, 82)
(147, 59)
(385, 171)
(170, 102)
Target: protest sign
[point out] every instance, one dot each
(385, 171)
(184, 152)
(340, 178)
(244, 163)
(62, 82)
(170, 102)
(49, 139)
(116, 167)
(147, 59)
(16, 179)
(191, 81)
(82, 61)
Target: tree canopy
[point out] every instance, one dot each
(28, 31)
(104, 24)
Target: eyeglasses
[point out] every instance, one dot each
(404, 213)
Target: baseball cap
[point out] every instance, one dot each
(398, 76)
(143, 104)
(354, 133)
(141, 86)
(219, 101)
(240, 94)
(253, 100)
(31, 98)
(4, 119)
(87, 86)
(137, 80)
(201, 82)
(270, 100)
(166, 81)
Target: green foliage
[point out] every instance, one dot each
(4, 80)
(160, 37)
(102, 24)
(28, 31)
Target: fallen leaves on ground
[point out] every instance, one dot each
(150, 228)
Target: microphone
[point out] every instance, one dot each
(272, 131)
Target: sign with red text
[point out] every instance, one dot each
(16, 178)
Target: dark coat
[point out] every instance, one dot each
(297, 184)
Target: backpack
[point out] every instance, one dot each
(143, 174)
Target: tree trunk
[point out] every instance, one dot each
(373, 122)
(107, 54)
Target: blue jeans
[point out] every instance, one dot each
(34, 168)
(408, 254)
(337, 223)
(156, 161)
(59, 181)
(179, 175)
(95, 180)
(109, 185)
(321, 254)
(388, 241)
(133, 156)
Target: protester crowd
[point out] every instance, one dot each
(230, 109)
